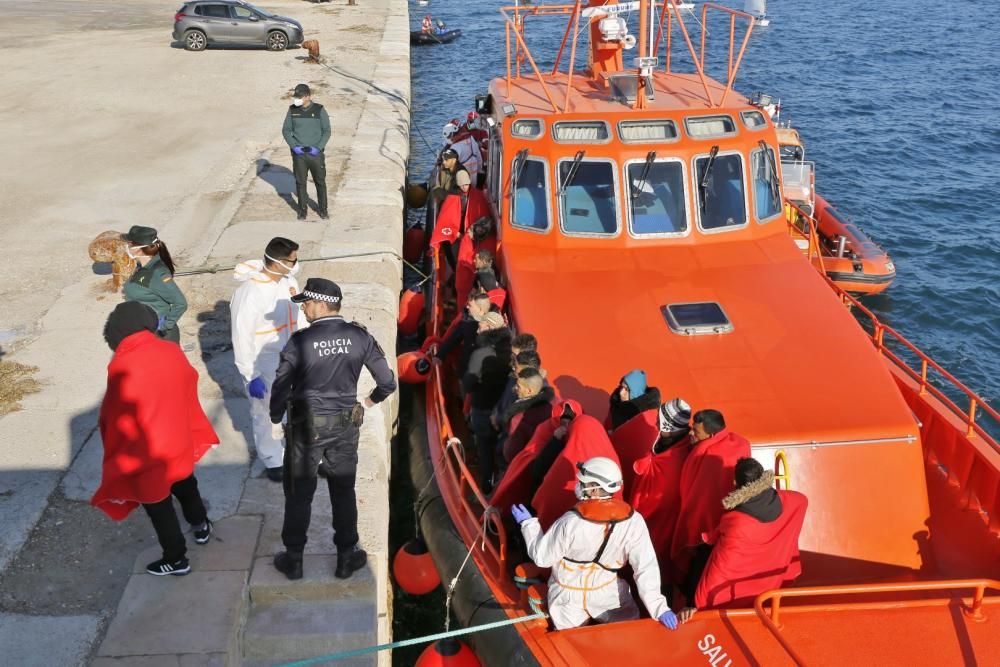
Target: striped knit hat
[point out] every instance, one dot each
(674, 415)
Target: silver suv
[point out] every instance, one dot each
(203, 22)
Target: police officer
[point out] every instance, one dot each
(306, 130)
(153, 282)
(316, 384)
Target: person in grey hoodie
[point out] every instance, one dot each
(307, 131)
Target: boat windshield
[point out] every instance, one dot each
(529, 206)
(766, 188)
(656, 197)
(587, 197)
(723, 200)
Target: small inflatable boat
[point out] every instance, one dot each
(421, 38)
(851, 259)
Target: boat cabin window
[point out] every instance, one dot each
(710, 127)
(754, 120)
(656, 198)
(587, 196)
(530, 198)
(494, 166)
(527, 128)
(647, 131)
(721, 191)
(581, 132)
(766, 185)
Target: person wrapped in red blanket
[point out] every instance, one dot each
(154, 431)
(756, 546)
(455, 217)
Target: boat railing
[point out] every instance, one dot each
(518, 51)
(795, 214)
(476, 520)
(772, 621)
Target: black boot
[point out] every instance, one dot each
(302, 214)
(349, 560)
(289, 564)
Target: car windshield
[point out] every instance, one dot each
(723, 198)
(657, 201)
(587, 200)
(263, 12)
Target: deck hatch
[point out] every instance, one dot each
(692, 319)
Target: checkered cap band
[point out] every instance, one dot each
(316, 296)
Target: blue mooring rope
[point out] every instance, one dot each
(410, 642)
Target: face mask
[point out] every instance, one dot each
(292, 270)
(297, 102)
(132, 255)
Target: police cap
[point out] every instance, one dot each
(319, 289)
(140, 235)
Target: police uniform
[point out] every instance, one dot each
(316, 383)
(307, 127)
(153, 284)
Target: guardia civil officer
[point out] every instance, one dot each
(316, 384)
(306, 130)
(153, 281)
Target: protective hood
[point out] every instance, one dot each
(252, 268)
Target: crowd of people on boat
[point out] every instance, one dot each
(673, 493)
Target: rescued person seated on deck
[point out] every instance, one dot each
(756, 544)
(630, 398)
(532, 407)
(483, 381)
(587, 546)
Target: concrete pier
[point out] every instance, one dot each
(119, 127)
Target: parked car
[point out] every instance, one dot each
(202, 22)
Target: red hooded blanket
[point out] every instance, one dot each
(707, 478)
(656, 496)
(465, 272)
(751, 556)
(152, 425)
(633, 440)
(449, 226)
(585, 439)
(515, 487)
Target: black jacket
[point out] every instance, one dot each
(622, 411)
(321, 365)
(489, 368)
(463, 336)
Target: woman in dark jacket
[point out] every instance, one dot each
(630, 398)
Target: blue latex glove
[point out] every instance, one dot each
(668, 619)
(521, 513)
(313, 150)
(299, 150)
(257, 388)
(160, 322)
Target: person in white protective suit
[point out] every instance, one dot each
(587, 546)
(263, 319)
(465, 144)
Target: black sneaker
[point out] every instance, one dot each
(289, 565)
(164, 567)
(349, 561)
(203, 533)
(274, 474)
(302, 215)
(324, 215)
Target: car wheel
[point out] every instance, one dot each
(277, 41)
(195, 40)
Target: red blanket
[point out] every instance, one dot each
(465, 271)
(449, 226)
(707, 478)
(515, 487)
(656, 496)
(633, 440)
(751, 557)
(585, 439)
(152, 425)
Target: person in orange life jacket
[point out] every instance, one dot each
(427, 25)
(532, 407)
(263, 319)
(462, 332)
(654, 490)
(483, 381)
(756, 546)
(631, 397)
(587, 546)
(706, 478)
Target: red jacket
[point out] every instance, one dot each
(707, 478)
(152, 425)
(449, 224)
(655, 495)
(751, 556)
(585, 439)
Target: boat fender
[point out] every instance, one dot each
(414, 367)
(414, 242)
(413, 568)
(448, 653)
(411, 307)
(416, 195)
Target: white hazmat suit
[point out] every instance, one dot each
(581, 589)
(469, 156)
(263, 318)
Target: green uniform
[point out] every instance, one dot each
(153, 285)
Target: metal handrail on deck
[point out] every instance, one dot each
(773, 622)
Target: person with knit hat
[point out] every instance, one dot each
(153, 431)
(630, 398)
(656, 474)
(756, 545)
(484, 381)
